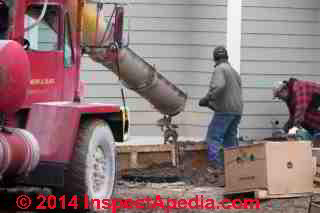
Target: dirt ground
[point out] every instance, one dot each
(191, 170)
(166, 173)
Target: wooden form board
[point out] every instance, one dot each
(263, 194)
(143, 156)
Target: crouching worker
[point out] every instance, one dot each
(303, 100)
(224, 97)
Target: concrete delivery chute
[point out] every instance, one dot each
(108, 47)
(49, 136)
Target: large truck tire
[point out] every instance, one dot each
(92, 170)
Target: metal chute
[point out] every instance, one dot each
(139, 76)
(103, 42)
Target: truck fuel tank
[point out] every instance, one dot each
(14, 75)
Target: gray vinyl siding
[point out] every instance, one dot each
(280, 39)
(177, 36)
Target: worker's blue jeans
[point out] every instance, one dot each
(222, 133)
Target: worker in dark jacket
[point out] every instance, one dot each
(225, 99)
(303, 100)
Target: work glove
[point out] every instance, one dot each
(204, 102)
(299, 133)
(292, 133)
(293, 130)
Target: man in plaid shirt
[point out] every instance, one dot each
(303, 100)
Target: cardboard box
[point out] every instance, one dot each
(278, 167)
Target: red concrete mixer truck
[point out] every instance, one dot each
(49, 136)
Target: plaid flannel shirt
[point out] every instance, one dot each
(302, 113)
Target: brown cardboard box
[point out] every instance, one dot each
(278, 167)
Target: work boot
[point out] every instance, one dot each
(220, 181)
(214, 169)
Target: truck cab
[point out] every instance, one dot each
(50, 45)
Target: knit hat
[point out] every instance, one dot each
(220, 52)
(277, 87)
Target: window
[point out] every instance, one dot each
(67, 43)
(42, 36)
